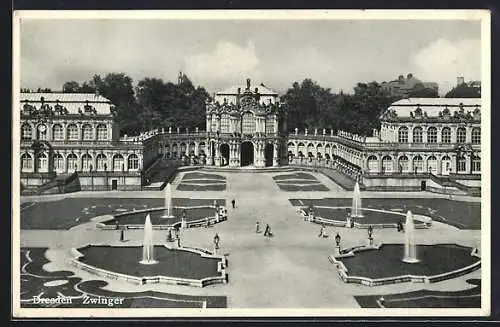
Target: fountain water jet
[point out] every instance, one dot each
(410, 255)
(148, 246)
(168, 202)
(356, 203)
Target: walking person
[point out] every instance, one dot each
(267, 231)
(233, 203)
(257, 228)
(322, 231)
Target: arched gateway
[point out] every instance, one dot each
(247, 154)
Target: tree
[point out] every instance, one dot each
(71, 87)
(420, 91)
(464, 91)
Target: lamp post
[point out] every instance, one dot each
(337, 241)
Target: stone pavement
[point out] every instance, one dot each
(289, 270)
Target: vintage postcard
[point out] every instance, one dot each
(251, 163)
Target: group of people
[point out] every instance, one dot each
(400, 227)
(267, 230)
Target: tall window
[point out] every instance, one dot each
(57, 132)
(446, 135)
(270, 125)
(403, 135)
(417, 135)
(201, 147)
(118, 163)
(432, 164)
(102, 132)
(432, 135)
(476, 135)
(87, 162)
(418, 164)
(42, 162)
(461, 164)
(41, 132)
(72, 132)
(58, 162)
(387, 164)
(174, 150)
(101, 162)
(403, 164)
(26, 132)
(372, 163)
(72, 162)
(476, 164)
(248, 123)
(183, 149)
(133, 162)
(224, 123)
(26, 162)
(87, 132)
(461, 135)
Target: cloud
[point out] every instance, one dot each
(442, 61)
(226, 63)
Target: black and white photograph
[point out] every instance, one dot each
(245, 163)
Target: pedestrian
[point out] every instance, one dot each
(216, 241)
(233, 203)
(322, 231)
(267, 231)
(257, 228)
(207, 222)
(122, 235)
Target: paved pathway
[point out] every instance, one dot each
(288, 270)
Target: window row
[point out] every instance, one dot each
(87, 162)
(445, 135)
(403, 164)
(72, 133)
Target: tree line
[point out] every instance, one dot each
(154, 103)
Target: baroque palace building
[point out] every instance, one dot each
(423, 143)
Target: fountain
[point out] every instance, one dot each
(356, 203)
(148, 246)
(410, 255)
(168, 202)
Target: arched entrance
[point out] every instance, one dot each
(224, 151)
(247, 153)
(268, 154)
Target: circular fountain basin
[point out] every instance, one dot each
(376, 218)
(180, 266)
(385, 265)
(195, 217)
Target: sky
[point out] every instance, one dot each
(217, 54)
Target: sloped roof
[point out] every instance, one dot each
(72, 101)
(433, 106)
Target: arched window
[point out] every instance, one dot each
(87, 162)
(319, 149)
(174, 150)
(445, 165)
(403, 134)
(248, 123)
(476, 164)
(26, 133)
(87, 132)
(403, 165)
(26, 162)
(461, 132)
(201, 147)
(310, 148)
(446, 135)
(432, 135)
(57, 132)
(191, 148)
(224, 123)
(387, 164)
(183, 149)
(432, 164)
(58, 161)
(118, 163)
(133, 162)
(41, 131)
(42, 163)
(417, 135)
(461, 164)
(102, 132)
(418, 164)
(101, 162)
(372, 163)
(72, 162)
(72, 132)
(476, 135)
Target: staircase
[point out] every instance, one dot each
(449, 182)
(160, 174)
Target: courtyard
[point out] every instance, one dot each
(289, 270)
